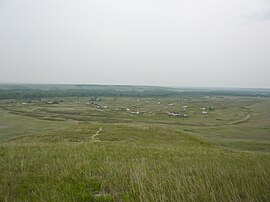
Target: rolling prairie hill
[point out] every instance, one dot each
(111, 148)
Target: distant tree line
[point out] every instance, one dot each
(22, 92)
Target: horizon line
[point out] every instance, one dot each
(146, 85)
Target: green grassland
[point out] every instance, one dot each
(95, 149)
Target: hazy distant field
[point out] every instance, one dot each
(153, 145)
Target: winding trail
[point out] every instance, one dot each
(96, 134)
(246, 118)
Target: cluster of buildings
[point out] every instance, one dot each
(182, 115)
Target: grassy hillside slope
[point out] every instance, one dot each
(128, 163)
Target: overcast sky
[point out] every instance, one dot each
(203, 43)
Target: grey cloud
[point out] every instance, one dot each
(258, 16)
